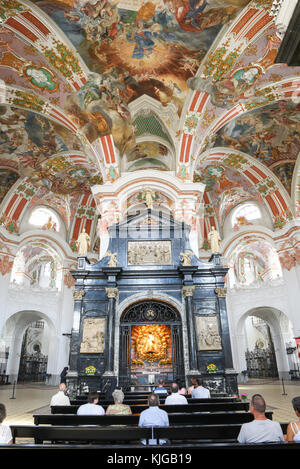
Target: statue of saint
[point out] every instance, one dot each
(83, 244)
(148, 195)
(112, 258)
(185, 258)
(214, 241)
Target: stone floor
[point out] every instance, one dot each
(25, 400)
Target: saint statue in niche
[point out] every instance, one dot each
(214, 241)
(83, 243)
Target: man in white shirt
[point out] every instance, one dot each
(92, 407)
(199, 391)
(261, 429)
(5, 431)
(175, 397)
(60, 398)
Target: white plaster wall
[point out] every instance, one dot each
(22, 304)
(270, 303)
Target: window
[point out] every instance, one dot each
(246, 211)
(45, 219)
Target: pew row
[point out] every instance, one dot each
(174, 419)
(137, 409)
(139, 401)
(115, 435)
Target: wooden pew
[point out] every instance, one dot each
(202, 407)
(114, 435)
(162, 401)
(64, 434)
(174, 419)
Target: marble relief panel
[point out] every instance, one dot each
(93, 335)
(208, 336)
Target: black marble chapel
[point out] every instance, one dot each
(150, 309)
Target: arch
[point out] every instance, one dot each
(259, 248)
(152, 296)
(280, 328)
(137, 312)
(32, 24)
(12, 337)
(51, 239)
(266, 184)
(31, 260)
(146, 105)
(165, 182)
(296, 188)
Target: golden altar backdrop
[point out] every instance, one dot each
(151, 343)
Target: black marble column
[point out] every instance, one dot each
(72, 376)
(112, 294)
(188, 291)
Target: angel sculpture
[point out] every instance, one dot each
(113, 258)
(185, 257)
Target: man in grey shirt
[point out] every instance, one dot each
(261, 429)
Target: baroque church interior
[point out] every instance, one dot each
(120, 120)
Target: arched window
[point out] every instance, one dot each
(44, 218)
(246, 212)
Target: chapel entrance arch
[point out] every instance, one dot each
(265, 335)
(151, 345)
(28, 337)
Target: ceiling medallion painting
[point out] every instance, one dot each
(150, 342)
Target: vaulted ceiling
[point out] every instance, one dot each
(94, 88)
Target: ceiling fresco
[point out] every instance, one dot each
(39, 146)
(150, 155)
(158, 84)
(270, 134)
(134, 48)
(7, 180)
(21, 65)
(226, 188)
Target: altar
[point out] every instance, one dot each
(150, 316)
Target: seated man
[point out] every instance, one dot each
(175, 397)
(92, 407)
(261, 429)
(199, 391)
(161, 390)
(60, 398)
(153, 417)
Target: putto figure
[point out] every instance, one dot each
(185, 258)
(113, 262)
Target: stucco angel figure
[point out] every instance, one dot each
(83, 243)
(185, 257)
(148, 195)
(112, 258)
(214, 240)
